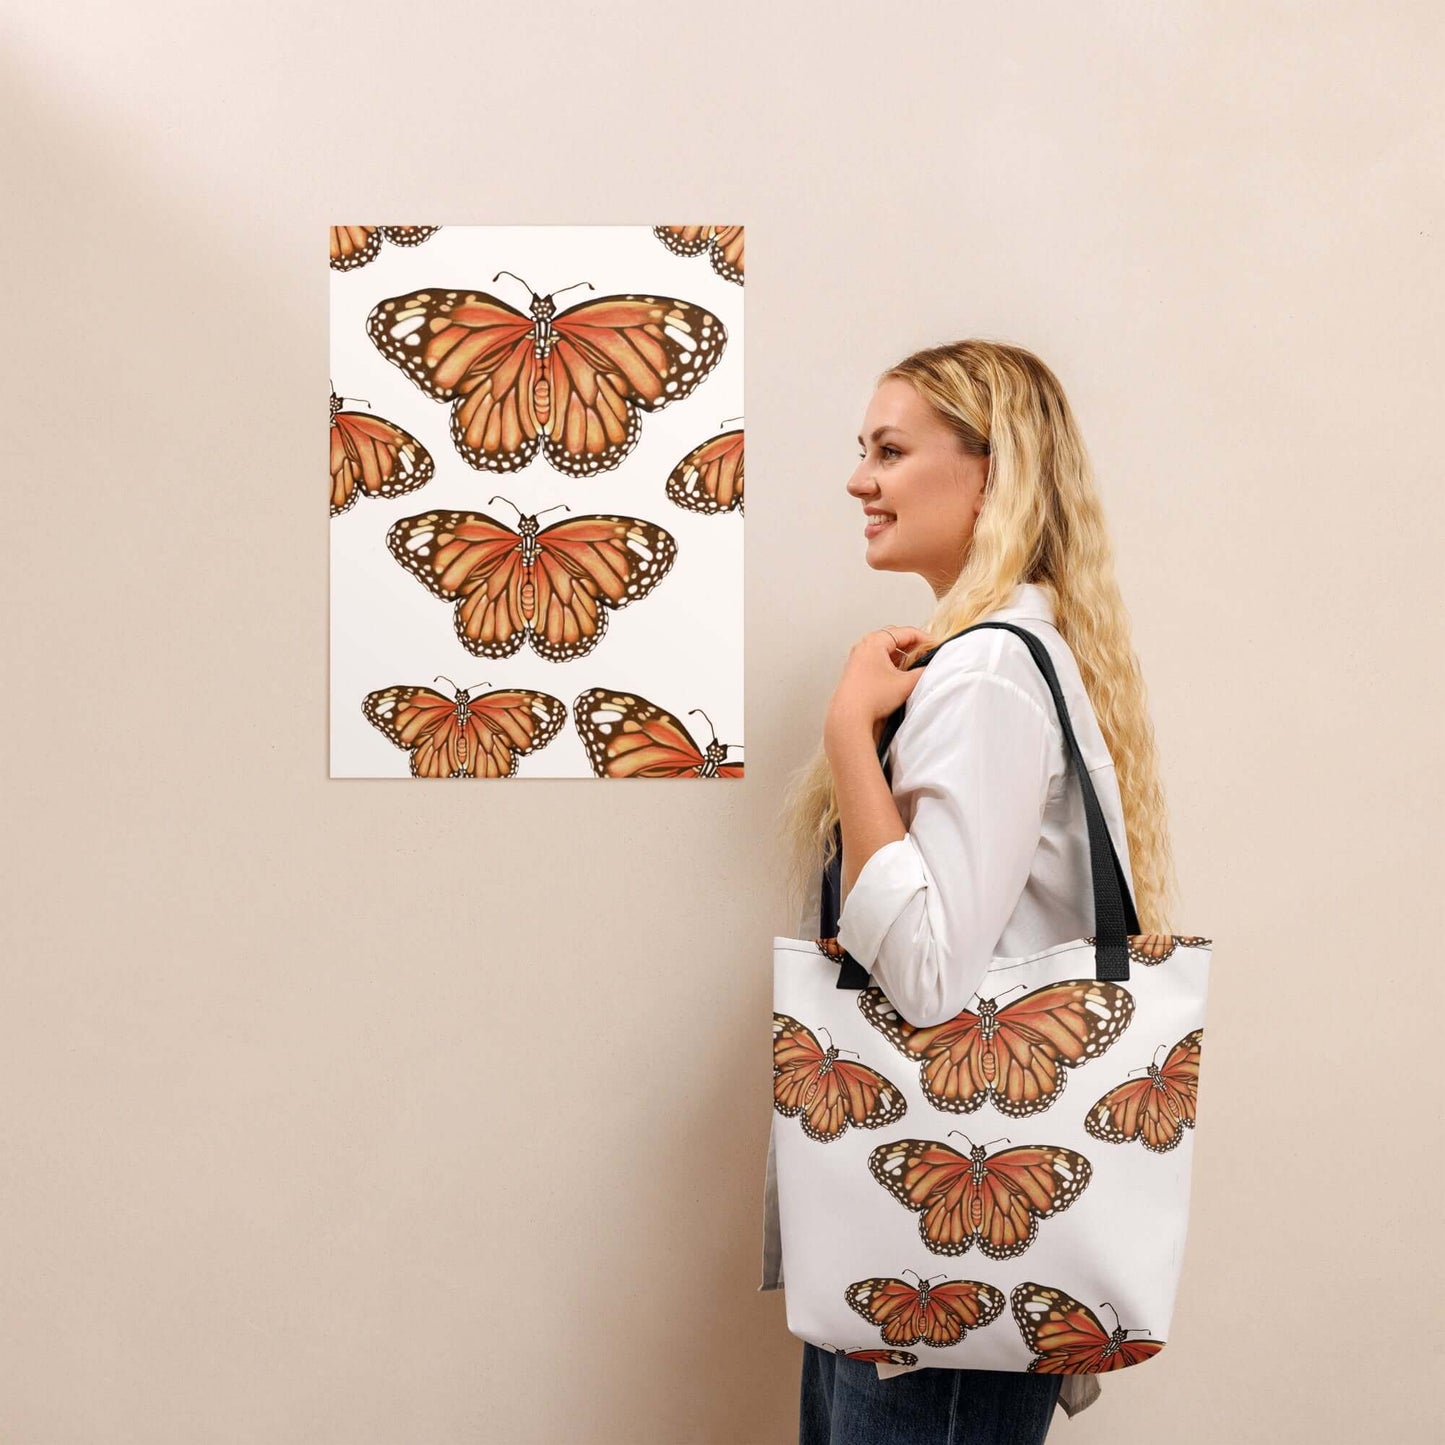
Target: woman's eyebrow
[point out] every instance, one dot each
(878, 432)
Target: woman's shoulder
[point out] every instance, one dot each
(1005, 658)
(998, 652)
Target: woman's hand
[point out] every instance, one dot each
(874, 683)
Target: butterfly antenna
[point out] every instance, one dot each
(574, 286)
(515, 277)
(971, 1145)
(1009, 989)
(440, 677)
(731, 418)
(692, 710)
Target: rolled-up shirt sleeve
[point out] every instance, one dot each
(972, 775)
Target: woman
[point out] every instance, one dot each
(973, 475)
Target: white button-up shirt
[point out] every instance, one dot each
(996, 856)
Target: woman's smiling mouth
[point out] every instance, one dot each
(876, 522)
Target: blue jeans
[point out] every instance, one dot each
(844, 1402)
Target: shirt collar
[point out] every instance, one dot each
(1028, 600)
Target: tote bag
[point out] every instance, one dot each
(1007, 1190)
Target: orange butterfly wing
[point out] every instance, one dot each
(1067, 1337)
(626, 736)
(475, 561)
(353, 246)
(373, 456)
(472, 349)
(710, 477)
(409, 235)
(1000, 1211)
(586, 565)
(465, 738)
(1156, 1111)
(828, 1098)
(953, 1308)
(724, 245)
(616, 355)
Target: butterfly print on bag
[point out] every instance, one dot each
(1152, 948)
(878, 1357)
(373, 456)
(830, 1092)
(931, 1314)
(1013, 1055)
(724, 246)
(995, 1201)
(710, 477)
(573, 384)
(626, 736)
(551, 586)
(1157, 1108)
(1067, 1338)
(464, 736)
(353, 246)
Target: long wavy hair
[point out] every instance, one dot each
(1041, 521)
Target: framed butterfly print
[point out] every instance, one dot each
(535, 502)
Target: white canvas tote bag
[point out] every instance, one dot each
(1008, 1190)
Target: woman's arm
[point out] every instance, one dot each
(924, 907)
(867, 813)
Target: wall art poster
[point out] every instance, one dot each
(536, 501)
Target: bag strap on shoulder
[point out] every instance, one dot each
(1114, 915)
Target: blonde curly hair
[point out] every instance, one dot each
(1041, 522)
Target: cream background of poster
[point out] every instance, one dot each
(356, 1114)
(680, 646)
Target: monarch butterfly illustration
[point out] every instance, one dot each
(724, 246)
(993, 1201)
(878, 1357)
(627, 736)
(373, 456)
(1067, 1337)
(829, 1092)
(1157, 1108)
(463, 736)
(550, 586)
(353, 246)
(710, 477)
(572, 383)
(1143, 946)
(1014, 1054)
(931, 1314)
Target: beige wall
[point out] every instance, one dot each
(338, 1112)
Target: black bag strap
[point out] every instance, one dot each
(1114, 915)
